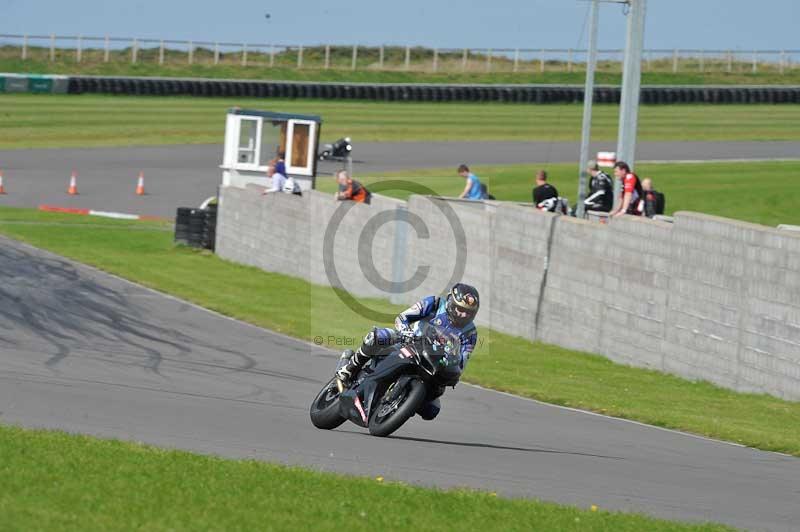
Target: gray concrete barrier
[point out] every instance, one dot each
(701, 297)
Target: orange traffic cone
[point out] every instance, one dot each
(2, 188)
(73, 184)
(140, 185)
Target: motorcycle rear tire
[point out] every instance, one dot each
(324, 410)
(415, 396)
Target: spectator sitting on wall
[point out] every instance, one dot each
(601, 190)
(280, 162)
(472, 189)
(544, 191)
(350, 189)
(278, 179)
(653, 200)
(631, 191)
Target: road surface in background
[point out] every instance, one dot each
(183, 176)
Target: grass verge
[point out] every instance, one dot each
(502, 362)
(763, 192)
(92, 64)
(50, 121)
(57, 481)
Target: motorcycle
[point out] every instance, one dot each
(393, 385)
(337, 151)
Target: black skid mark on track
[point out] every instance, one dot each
(51, 299)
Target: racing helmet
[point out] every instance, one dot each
(462, 304)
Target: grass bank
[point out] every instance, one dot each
(51, 121)
(57, 481)
(502, 362)
(765, 192)
(285, 68)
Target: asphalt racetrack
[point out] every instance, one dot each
(86, 352)
(183, 176)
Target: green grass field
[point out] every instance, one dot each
(421, 72)
(45, 121)
(56, 481)
(767, 193)
(502, 362)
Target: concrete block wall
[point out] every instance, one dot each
(733, 315)
(703, 297)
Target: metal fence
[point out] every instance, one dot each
(74, 49)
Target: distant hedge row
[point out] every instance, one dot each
(540, 94)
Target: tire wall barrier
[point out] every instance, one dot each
(540, 94)
(703, 297)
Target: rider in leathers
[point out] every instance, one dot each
(455, 313)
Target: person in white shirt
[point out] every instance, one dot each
(278, 180)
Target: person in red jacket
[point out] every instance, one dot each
(631, 191)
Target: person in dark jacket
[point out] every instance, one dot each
(543, 191)
(601, 190)
(653, 200)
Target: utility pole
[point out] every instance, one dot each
(588, 96)
(631, 85)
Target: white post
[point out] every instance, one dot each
(24, 47)
(191, 52)
(782, 61)
(675, 61)
(516, 59)
(300, 57)
(588, 98)
(702, 61)
(631, 84)
(755, 61)
(161, 52)
(489, 60)
(730, 61)
(106, 49)
(569, 60)
(271, 55)
(408, 57)
(435, 59)
(541, 61)
(134, 51)
(380, 58)
(79, 51)
(327, 56)
(216, 53)
(355, 57)
(244, 55)
(464, 60)
(52, 47)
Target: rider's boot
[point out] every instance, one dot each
(355, 362)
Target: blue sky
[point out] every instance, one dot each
(733, 24)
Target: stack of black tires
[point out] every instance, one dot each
(196, 227)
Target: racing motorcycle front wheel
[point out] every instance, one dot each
(325, 408)
(396, 407)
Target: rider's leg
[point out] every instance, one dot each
(430, 409)
(374, 341)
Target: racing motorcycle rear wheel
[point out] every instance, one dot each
(395, 409)
(325, 408)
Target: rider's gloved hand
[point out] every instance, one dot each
(406, 335)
